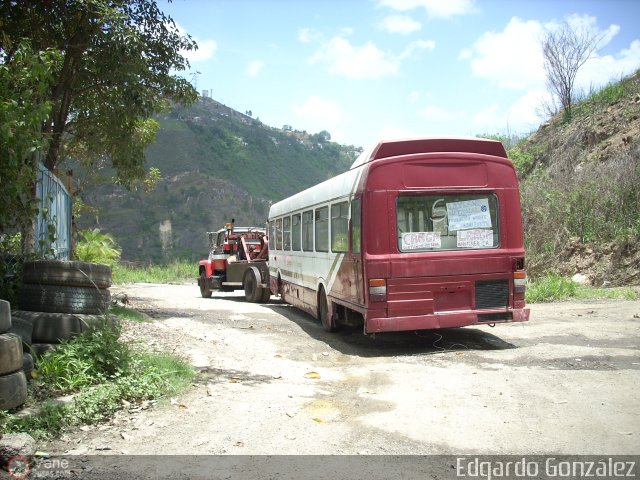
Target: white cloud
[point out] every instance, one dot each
(254, 68)
(601, 70)
(317, 114)
(437, 114)
(306, 35)
(206, 48)
(511, 58)
(433, 8)
(418, 45)
(402, 24)
(355, 62)
(522, 116)
(490, 118)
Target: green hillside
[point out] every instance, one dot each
(216, 164)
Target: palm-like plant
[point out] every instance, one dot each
(97, 247)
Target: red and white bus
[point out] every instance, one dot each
(418, 234)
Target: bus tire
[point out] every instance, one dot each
(205, 291)
(325, 315)
(13, 390)
(252, 287)
(5, 316)
(71, 273)
(10, 353)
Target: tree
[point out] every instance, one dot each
(115, 70)
(321, 137)
(24, 84)
(565, 51)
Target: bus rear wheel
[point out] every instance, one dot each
(325, 315)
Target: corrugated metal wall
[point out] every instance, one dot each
(54, 216)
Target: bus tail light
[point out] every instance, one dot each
(519, 281)
(378, 290)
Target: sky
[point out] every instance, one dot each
(366, 70)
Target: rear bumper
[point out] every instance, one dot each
(434, 321)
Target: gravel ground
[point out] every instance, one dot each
(272, 382)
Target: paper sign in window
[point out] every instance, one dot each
(474, 238)
(469, 214)
(420, 240)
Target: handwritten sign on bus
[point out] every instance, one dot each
(469, 214)
(475, 238)
(420, 240)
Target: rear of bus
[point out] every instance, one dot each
(442, 236)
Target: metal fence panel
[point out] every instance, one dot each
(53, 223)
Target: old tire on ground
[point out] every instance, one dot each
(205, 291)
(48, 327)
(10, 353)
(252, 286)
(13, 390)
(37, 350)
(63, 299)
(93, 322)
(23, 327)
(324, 313)
(75, 274)
(5, 316)
(27, 365)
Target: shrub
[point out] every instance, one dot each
(95, 246)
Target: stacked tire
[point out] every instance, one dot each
(13, 381)
(61, 299)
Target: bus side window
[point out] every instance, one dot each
(279, 234)
(322, 229)
(272, 235)
(307, 231)
(355, 226)
(339, 227)
(286, 233)
(296, 231)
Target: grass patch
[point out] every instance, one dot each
(617, 293)
(128, 314)
(174, 272)
(549, 288)
(101, 372)
(555, 287)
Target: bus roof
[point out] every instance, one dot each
(394, 148)
(347, 182)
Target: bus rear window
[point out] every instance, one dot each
(447, 222)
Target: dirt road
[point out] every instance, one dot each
(271, 381)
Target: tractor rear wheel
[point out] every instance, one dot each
(205, 290)
(252, 287)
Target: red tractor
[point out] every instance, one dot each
(237, 260)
